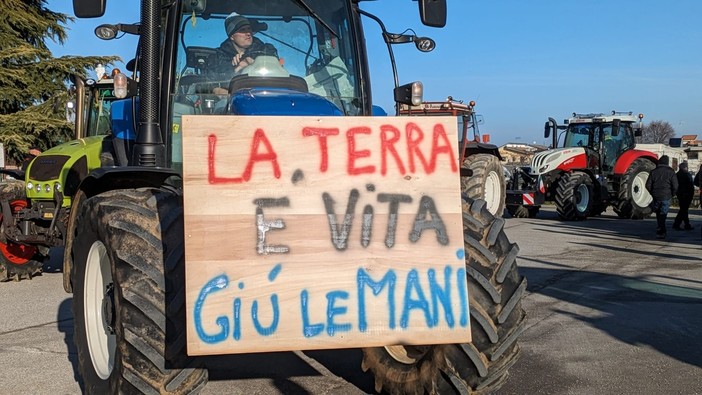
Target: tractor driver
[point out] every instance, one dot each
(612, 147)
(239, 49)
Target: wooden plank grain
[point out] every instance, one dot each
(322, 232)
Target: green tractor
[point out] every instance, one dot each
(36, 201)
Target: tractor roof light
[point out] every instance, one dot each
(417, 93)
(641, 116)
(410, 94)
(120, 82)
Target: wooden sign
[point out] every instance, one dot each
(322, 232)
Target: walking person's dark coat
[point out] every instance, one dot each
(686, 191)
(662, 183)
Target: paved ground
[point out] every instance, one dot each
(611, 310)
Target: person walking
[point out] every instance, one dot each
(698, 184)
(662, 184)
(686, 191)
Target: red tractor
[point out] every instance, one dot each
(482, 175)
(597, 166)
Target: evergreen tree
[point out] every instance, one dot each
(33, 84)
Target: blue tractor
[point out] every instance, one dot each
(124, 260)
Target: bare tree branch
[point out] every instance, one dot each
(657, 132)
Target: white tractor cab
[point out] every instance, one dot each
(596, 166)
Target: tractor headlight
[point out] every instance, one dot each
(38, 188)
(30, 185)
(47, 188)
(57, 186)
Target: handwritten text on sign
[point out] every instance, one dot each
(331, 232)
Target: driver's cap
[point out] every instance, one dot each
(235, 22)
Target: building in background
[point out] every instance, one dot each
(693, 149)
(519, 154)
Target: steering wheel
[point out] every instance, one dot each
(255, 53)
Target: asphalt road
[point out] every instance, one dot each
(611, 310)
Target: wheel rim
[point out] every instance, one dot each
(582, 198)
(639, 194)
(99, 310)
(493, 187)
(16, 254)
(407, 354)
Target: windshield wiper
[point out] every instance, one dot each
(309, 9)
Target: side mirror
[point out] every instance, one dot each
(196, 6)
(549, 126)
(131, 65)
(433, 12)
(89, 8)
(615, 127)
(638, 132)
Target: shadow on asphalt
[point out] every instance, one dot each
(280, 367)
(64, 321)
(609, 226)
(636, 310)
(54, 262)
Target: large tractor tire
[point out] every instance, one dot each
(17, 261)
(634, 199)
(497, 319)
(128, 279)
(574, 196)
(487, 182)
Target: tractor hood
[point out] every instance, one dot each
(62, 168)
(560, 158)
(76, 146)
(280, 101)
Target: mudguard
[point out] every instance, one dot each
(628, 157)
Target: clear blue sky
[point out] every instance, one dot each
(521, 61)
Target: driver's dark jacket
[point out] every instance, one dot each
(226, 52)
(662, 183)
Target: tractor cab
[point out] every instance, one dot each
(469, 137)
(255, 58)
(99, 100)
(306, 60)
(482, 173)
(590, 141)
(597, 166)
(604, 137)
